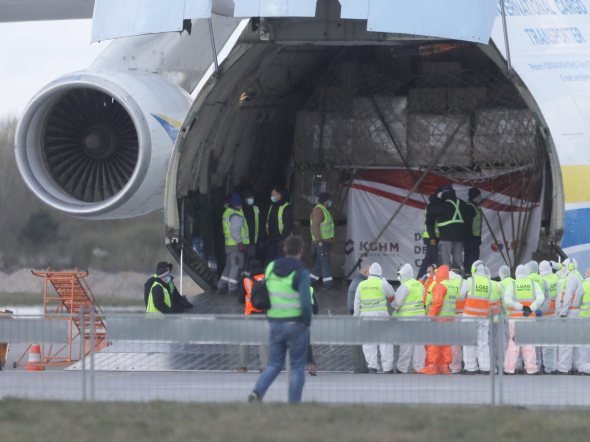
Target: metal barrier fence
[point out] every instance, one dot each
(150, 357)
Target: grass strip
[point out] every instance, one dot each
(25, 420)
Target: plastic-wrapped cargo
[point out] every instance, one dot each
(504, 136)
(427, 100)
(373, 143)
(308, 184)
(427, 134)
(314, 144)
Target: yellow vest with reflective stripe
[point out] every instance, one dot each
(244, 233)
(284, 299)
(523, 291)
(150, 306)
(457, 218)
(552, 280)
(279, 217)
(478, 297)
(425, 234)
(448, 307)
(476, 226)
(372, 297)
(585, 305)
(414, 303)
(327, 227)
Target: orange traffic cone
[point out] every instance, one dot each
(35, 359)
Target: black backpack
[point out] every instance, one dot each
(259, 295)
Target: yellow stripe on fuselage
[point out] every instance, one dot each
(576, 183)
(176, 124)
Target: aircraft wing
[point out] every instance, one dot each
(37, 10)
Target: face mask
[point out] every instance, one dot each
(273, 199)
(439, 194)
(478, 200)
(168, 279)
(250, 201)
(399, 278)
(329, 203)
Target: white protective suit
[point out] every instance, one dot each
(479, 356)
(371, 350)
(528, 351)
(569, 307)
(533, 267)
(414, 353)
(456, 352)
(549, 352)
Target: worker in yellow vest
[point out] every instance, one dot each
(585, 313)
(279, 224)
(322, 235)
(473, 236)
(237, 237)
(571, 299)
(523, 297)
(370, 300)
(409, 303)
(549, 353)
(159, 299)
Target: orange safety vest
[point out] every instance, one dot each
(248, 283)
(478, 298)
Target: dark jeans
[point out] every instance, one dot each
(430, 258)
(470, 255)
(292, 336)
(321, 266)
(275, 250)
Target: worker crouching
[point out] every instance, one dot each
(444, 295)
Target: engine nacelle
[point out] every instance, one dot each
(97, 144)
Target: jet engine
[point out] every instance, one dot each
(96, 145)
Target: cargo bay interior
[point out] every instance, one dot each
(307, 117)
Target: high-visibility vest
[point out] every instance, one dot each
(574, 272)
(429, 296)
(150, 306)
(459, 303)
(478, 297)
(495, 299)
(327, 227)
(279, 218)
(425, 234)
(413, 304)
(450, 299)
(244, 233)
(523, 291)
(457, 218)
(248, 283)
(256, 223)
(476, 226)
(552, 280)
(506, 281)
(171, 285)
(372, 297)
(284, 299)
(585, 306)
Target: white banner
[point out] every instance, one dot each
(376, 194)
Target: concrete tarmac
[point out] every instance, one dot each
(326, 387)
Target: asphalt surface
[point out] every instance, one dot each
(326, 387)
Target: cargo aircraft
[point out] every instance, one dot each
(349, 96)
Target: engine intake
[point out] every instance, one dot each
(96, 144)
